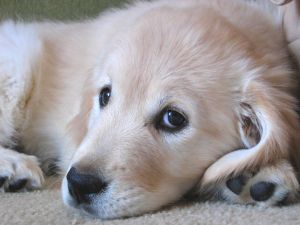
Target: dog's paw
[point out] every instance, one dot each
(271, 185)
(19, 172)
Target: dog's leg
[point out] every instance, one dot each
(271, 185)
(19, 48)
(19, 171)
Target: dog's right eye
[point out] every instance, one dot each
(104, 96)
(171, 120)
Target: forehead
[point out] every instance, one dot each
(149, 52)
(172, 48)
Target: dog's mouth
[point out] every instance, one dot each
(86, 207)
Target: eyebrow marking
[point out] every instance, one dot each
(156, 110)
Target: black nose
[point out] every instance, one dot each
(82, 185)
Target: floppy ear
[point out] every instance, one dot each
(268, 124)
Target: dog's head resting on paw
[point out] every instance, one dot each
(162, 105)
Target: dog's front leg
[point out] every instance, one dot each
(271, 185)
(19, 171)
(20, 48)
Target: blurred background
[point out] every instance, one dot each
(54, 9)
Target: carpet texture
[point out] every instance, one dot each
(46, 207)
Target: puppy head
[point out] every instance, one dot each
(159, 109)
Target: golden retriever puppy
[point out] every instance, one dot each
(141, 105)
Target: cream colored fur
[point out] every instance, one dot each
(210, 59)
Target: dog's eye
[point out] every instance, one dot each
(104, 96)
(171, 120)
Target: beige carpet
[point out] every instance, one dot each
(46, 207)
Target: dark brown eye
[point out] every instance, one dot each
(171, 120)
(104, 96)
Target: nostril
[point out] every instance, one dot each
(81, 185)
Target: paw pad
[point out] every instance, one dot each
(236, 184)
(2, 181)
(12, 186)
(262, 191)
(17, 185)
(268, 186)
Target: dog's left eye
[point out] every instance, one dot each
(104, 96)
(171, 120)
